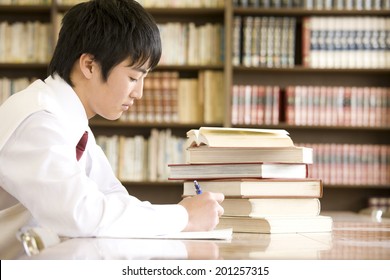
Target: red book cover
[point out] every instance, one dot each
(268, 105)
(322, 105)
(316, 105)
(379, 105)
(306, 29)
(248, 104)
(260, 104)
(347, 106)
(329, 117)
(275, 105)
(234, 108)
(310, 105)
(254, 102)
(241, 104)
(339, 105)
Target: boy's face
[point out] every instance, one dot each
(111, 98)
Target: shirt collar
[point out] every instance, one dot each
(69, 100)
(70, 104)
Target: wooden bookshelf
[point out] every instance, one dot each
(337, 197)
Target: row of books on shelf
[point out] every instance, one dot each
(255, 105)
(345, 42)
(311, 105)
(344, 106)
(26, 2)
(168, 98)
(162, 3)
(327, 42)
(191, 44)
(24, 42)
(351, 164)
(182, 3)
(315, 4)
(307, 4)
(264, 41)
(206, 47)
(188, 43)
(142, 159)
(288, 202)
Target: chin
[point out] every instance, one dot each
(111, 117)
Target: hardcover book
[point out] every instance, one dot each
(234, 154)
(238, 137)
(275, 224)
(237, 170)
(259, 187)
(263, 207)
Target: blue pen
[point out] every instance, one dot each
(197, 187)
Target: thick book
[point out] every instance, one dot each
(238, 137)
(237, 170)
(259, 187)
(277, 224)
(264, 207)
(233, 154)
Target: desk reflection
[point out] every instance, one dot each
(128, 249)
(353, 237)
(243, 246)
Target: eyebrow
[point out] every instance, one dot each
(142, 70)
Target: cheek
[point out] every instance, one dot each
(119, 89)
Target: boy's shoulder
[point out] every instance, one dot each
(21, 105)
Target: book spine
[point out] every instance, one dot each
(351, 164)
(237, 39)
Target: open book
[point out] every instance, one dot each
(238, 137)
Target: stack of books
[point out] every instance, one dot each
(262, 174)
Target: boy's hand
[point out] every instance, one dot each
(203, 210)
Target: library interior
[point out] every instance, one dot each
(314, 72)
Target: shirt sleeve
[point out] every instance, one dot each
(72, 199)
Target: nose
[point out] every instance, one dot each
(138, 89)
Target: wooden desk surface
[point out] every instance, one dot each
(354, 237)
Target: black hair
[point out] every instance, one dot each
(111, 31)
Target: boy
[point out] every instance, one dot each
(104, 51)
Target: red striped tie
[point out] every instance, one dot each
(80, 148)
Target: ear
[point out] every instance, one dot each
(87, 65)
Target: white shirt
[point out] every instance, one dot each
(40, 128)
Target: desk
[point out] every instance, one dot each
(354, 237)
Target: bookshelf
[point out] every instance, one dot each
(339, 195)
(336, 196)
